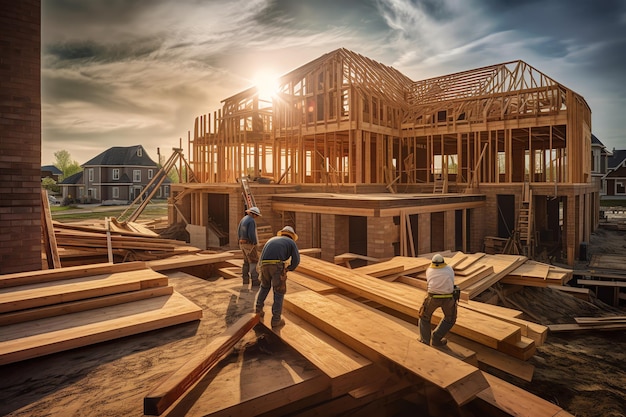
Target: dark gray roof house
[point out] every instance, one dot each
(118, 175)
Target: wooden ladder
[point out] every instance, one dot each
(440, 186)
(524, 221)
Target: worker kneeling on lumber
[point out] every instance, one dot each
(441, 293)
(273, 261)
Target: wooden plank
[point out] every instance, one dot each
(183, 261)
(355, 329)
(380, 270)
(31, 277)
(496, 359)
(28, 340)
(313, 284)
(593, 282)
(571, 327)
(514, 401)
(346, 368)
(82, 305)
(175, 385)
(406, 300)
(48, 293)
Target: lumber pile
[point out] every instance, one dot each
(494, 327)
(99, 241)
(536, 274)
(43, 312)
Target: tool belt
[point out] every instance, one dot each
(271, 261)
(244, 241)
(441, 295)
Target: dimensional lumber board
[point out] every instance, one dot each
(346, 368)
(515, 401)
(502, 265)
(496, 359)
(313, 284)
(182, 261)
(46, 275)
(251, 385)
(82, 305)
(353, 327)
(48, 293)
(452, 349)
(381, 269)
(407, 300)
(173, 387)
(42, 337)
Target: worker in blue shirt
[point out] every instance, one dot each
(274, 256)
(248, 241)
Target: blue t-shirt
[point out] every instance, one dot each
(281, 248)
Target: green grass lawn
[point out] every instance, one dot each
(66, 214)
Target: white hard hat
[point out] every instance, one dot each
(254, 210)
(437, 259)
(288, 230)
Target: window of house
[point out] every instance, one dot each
(150, 174)
(90, 174)
(116, 192)
(139, 152)
(116, 173)
(136, 175)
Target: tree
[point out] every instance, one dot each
(65, 163)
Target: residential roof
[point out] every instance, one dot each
(73, 179)
(52, 169)
(618, 156)
(120, 155)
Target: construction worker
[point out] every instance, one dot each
(274, 269)
(248, 241)
(440, 281)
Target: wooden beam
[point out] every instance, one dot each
(356, 329)
(167, 392)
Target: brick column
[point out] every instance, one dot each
(20, 136)
(335, 239)
(382, 232)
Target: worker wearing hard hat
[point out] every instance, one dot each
(273, 261)
(440, 281)
(248, 241)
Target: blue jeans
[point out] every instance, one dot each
(272, 276)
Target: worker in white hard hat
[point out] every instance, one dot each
(274, 256)
(440, 281)
(248, 241)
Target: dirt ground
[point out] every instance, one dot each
(584, 372)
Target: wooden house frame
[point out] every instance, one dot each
(345, 123)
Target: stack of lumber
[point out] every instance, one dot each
(490, 326)
(367, 357)
(89, 242)
(536, 274)
(43, 312)
(592, 323)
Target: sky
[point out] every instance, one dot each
(138, 72)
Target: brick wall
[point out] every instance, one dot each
(20, 136)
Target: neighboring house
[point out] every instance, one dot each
(615, 178)
(599, 163)
(51, 171)
(118, 174)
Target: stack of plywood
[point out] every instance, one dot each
(43, 312)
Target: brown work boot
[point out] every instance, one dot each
(441, 342)
(279, 323)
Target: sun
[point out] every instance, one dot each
(266, 83)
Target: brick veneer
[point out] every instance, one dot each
(20, 136)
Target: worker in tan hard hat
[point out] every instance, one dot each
(441, 294)
(248, 241)
(273, 261)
